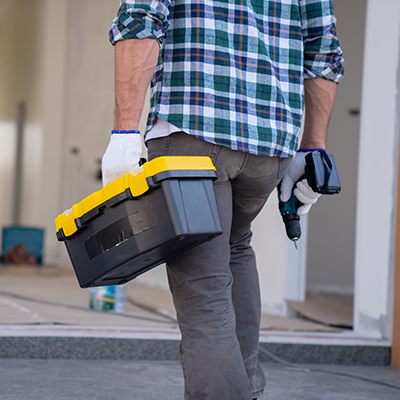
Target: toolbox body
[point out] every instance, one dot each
(140, 221)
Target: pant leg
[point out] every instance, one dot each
(215, 286)
(251, 189)
(247, 305)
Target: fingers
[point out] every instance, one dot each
(303, 210)
(306, 195)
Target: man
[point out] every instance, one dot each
(229, 80)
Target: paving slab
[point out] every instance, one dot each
(163, 380)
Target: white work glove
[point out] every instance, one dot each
(122, 155)
(303, 190)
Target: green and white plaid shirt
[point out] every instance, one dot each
(232, 72)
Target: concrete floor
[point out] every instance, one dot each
(73, 341)
(162, 380)
(45, 295)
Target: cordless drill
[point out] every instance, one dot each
(290, 217)
(322, 176)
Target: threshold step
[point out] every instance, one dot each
(156, 343)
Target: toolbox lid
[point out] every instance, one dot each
(132, 185)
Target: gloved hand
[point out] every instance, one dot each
(303, 190)
(122, 155)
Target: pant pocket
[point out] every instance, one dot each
(283, 166)
(158, 147)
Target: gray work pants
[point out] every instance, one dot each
(215, 285)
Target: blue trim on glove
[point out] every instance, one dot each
(308, 150)
(124, 132)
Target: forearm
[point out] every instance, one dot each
(320, 95)
(135, 63)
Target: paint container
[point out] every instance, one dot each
(108, 298)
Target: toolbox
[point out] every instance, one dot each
(141, 220)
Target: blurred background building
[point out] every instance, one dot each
(56, 61)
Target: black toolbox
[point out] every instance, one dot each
(140, 220)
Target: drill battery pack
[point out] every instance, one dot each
(322, 174)
(141, 220)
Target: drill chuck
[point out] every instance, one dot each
(292, 225)
(290, 217)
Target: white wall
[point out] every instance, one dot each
(53, 72)
(89, 97)
(7, 149)
(270, 245)
(21, 81)
(282, 268)
(379, 147)
(330, 262)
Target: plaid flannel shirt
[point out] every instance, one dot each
(232, 72)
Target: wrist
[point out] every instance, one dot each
(314, 138)
(126, 119)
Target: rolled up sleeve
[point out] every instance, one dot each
(139, 20)
(322, 52)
